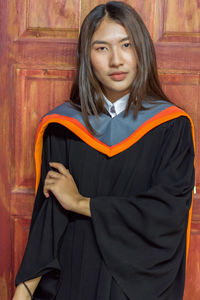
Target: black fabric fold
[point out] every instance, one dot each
(142, 237)
(133, 247)
(49, 222)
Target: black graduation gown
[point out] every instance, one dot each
(134, 245)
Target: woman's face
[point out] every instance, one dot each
(113, 59)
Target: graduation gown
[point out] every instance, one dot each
(139, 174)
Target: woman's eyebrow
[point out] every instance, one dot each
(107, 43)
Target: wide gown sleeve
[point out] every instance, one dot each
(49, 222)
(142, 238)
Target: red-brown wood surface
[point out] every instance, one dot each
(37, 57)
(5, 163)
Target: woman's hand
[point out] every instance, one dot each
(64, 188)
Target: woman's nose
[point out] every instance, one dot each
(116, 58)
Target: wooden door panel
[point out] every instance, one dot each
(20, 231)
(178, 21)
(43, 55)
(182, 17)
(192, 276)
(43, 67)
(37, 92)
(44, 20)
(192, 286)
(54, 14)
(178, 57)
(177, 34)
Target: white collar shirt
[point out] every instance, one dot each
(117, 107)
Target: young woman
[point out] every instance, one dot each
(115, 174)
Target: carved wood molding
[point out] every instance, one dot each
(37, 92)
(177, 21)
(46, 20)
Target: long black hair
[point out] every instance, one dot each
(86, 93)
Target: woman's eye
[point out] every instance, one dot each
(126, 45)
(101, 49)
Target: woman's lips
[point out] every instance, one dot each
(118, 76)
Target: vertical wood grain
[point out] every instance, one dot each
(53, 14)
(192, 286)
(188, 20)
(20, 237)
(5, 162)
(37, 92)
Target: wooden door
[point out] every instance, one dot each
(37, 56)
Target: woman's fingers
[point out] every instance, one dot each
(48, 184)
(61, 169)
(49, 181)
(46, 193)
(55, 179)
(53, 174)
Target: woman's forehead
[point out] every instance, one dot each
(109, 30)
